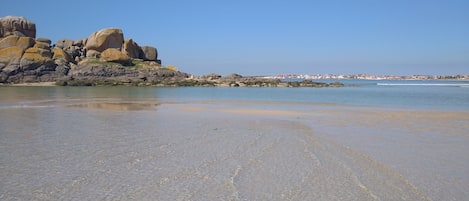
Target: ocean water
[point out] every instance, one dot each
(429, 94)
(371, 140)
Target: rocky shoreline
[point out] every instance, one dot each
(104, 58)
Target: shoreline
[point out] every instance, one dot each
(31, 84)
(201, 81)
(183, 82)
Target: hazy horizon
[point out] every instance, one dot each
(274, 37)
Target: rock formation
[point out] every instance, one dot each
(149, 53)
(61, 57)
(18, 41)
(104, 54)
(104, 39)
(114, 55)
(17, 26)
(132, 49)
(101, 59)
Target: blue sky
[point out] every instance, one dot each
(252, 37)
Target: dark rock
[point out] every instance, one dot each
(44, 40)
(78, 43)
(150, 53)
(62, 70)
(212, 76)
(12, 68)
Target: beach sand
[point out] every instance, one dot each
(233, 151)
(34, 84)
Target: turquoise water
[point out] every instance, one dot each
(439, 95)
(153, 143)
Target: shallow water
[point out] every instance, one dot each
(110, 146)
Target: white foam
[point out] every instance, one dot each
(419, 84)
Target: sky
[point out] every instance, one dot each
(269, 37)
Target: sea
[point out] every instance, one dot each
(417, 94)
(368, 140)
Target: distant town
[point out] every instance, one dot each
(370, 77)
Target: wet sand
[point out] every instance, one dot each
(137, 150)
(33, 84)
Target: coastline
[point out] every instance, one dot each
(31, 84)
(182, 82)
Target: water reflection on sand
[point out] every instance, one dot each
(126, 106)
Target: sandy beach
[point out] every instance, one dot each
(222, 150)
(32, 84)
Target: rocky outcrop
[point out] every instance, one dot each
(93, 54)
(114, 55)
(105, 39)
(9, 61)
(74, 48)
(132, 49)
(104, 58)
(44, 40)
(10, 54)
(61, 57)
(18, 41)
(149, 53)
(17, 26)
(33, 58)
(104, 53)
(64, 44)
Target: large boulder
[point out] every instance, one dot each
(17, 26)
(35, 57)
(10, 62)
(42, 45)
(150, 53)
(44, 40)
(132, 49)
(18, 41)
(60, 56)
(10, 53)
(79, 42)
(73, 47)
(114, 55)
(64, 44)
(93, 54)
(105, 39)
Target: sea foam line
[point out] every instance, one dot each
(402, 84)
